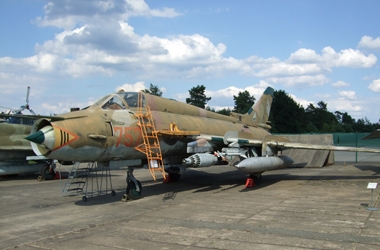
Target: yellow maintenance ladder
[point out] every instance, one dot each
(151, 146)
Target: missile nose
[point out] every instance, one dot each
(238, 164)
(44, 136)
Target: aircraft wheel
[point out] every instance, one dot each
(256, 179)
(84, 198)
(46, 173)
(113, 193)
(132, 193)
(174, 177)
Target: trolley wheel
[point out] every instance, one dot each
(84, 198)
(113, 193)
(40, 178)
(132, 193)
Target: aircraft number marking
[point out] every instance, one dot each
(128, 136)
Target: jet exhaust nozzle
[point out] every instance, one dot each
(261, 164)
(200, 160)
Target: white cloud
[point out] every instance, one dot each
(369, 43)
(255, 90)
(304, 56)
(165, 12)
(131, 87)
(286, 69)
(351, 95)
(68, 14)
(303, 102)
(330, 58)
(305, 80)
(63, 107)
(344, 105)
(340, 84)
(347, 58)
(375, 86)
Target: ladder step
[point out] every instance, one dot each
(74, 189)
(80, 176)
(77, 182)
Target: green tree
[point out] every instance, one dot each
(319, 116)
(198, 97)
(286, 115)
(345, 121)
(243, 102)
(153, 90)
(225, 111)
(208, 108)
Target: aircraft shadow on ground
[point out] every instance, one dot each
(203, 182)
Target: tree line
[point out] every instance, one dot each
(286, 115)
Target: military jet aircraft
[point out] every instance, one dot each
(166, 135)
(14, 149)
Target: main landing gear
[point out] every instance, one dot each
(173, 177)
(134, 188)
(48, 171)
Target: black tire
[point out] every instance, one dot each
(46, 173)
(174, 177)
(84, 198)
(132, 192)
(113, 193)
(257, 179)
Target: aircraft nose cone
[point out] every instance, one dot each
(38, 137)
(44, 136)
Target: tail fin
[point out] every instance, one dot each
(258, 114)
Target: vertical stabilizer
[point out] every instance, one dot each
(258, 114)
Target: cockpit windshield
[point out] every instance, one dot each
(114, 103)
(131, 98)
(118, 101)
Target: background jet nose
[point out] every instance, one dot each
(44, 136)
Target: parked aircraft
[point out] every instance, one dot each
(167, 136)
(14, 149)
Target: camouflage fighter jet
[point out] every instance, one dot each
(14, 149)
(166, 135)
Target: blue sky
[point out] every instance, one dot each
(71, 53)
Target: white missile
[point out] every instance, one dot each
(200, 160)
(261, 164)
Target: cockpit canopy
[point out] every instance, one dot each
(119, 101)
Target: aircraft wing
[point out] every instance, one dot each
(17, 147)
(36, 117)
(278, 143)
(290, 145)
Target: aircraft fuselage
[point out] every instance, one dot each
(104, 135)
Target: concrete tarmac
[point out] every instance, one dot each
(209, 208)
